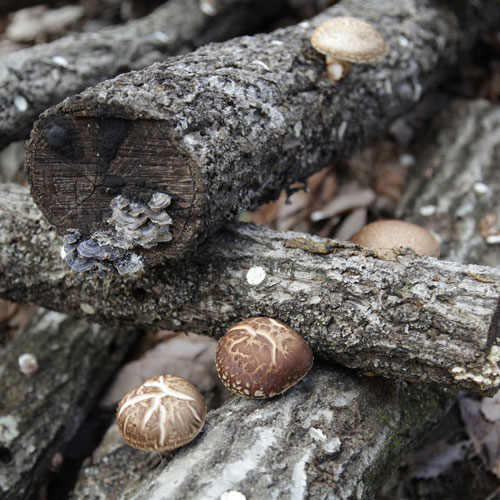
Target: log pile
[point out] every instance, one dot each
(391, 313)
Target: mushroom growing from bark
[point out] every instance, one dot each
(261, 357)
(347, 40)
(162, 414)
(397, 234)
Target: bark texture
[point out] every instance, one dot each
(460, 203)
(41, 412)
(230, 125)
(388, 312)
(33, 79)
(335, 435)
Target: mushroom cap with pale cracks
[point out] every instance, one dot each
(162, 414)
(349, 39)
(261, 357)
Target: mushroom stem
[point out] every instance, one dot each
(336, 69)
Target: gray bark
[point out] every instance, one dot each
(459, 201)
(229, 126)
(389, 312)
(41, 412)
(33, 79)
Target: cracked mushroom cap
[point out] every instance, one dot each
(162, 414)
(261, 357)
(349, 39)
(397, 234)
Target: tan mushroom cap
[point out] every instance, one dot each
(349, 39)
(162, 414)
(396, 234)
(261, 357)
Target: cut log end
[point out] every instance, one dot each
(78, 165)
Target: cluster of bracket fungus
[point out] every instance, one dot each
(261, 357)
(397, 234)
(163, 413)
(138, 224)
(347, 40)
(135, 224)
(101, 253)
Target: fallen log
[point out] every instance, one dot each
(42, 408)
(334, 433)
(389, 312)
(462, 209)
(229, 126)
(33, 79)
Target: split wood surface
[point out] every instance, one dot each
(33, 79)
(389, 312)
(41, 412)
(228, 126)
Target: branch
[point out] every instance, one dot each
(41, 412)
(389, 312)
(33, 79)
(471, 139)
(230, 125)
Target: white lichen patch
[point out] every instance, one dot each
(480, 188)
(427, 210)
(317, 434)
(87, 308)
(255, 275)
(332, 445)
(8, 429)
(232, 495)
(488, 377)
(493, 239)
(298, 486)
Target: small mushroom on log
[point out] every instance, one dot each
(162, 414)
(347, 40)
(261, 357)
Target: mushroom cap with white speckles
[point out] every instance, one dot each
(349, 39)
(261, 357)
(397, 234)
(162, 414)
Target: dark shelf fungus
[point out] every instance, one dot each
(261, 357)
(134, 224)
(163, 413)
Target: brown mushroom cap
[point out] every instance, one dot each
(262, 357)
(396, 234)
(349, 39)
(162, 414)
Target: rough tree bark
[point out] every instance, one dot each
(33, 79)
(41, 412)
(389, 312)
(229, 126)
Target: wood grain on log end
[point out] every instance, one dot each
(83, 163)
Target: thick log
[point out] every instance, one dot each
(33, 79)
(335, 435)
(41, 412)
(467, 219)
(230, 125)
(389, 312)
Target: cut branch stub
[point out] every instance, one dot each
(231, 125)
